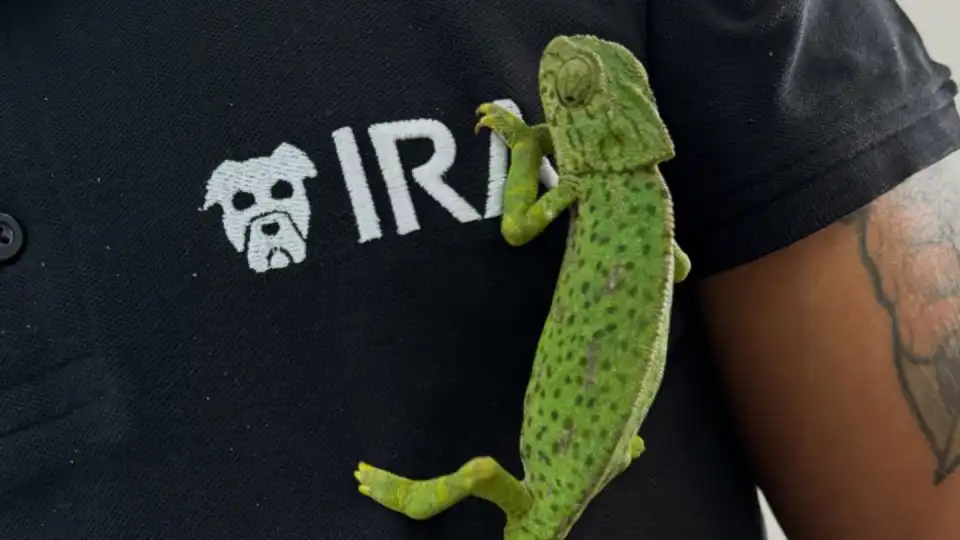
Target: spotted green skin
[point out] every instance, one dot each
(601, 356)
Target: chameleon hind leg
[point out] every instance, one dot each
(480, 477)
(681, 263)
(635, 448)
(524, 215)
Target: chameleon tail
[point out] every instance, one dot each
(481, 477)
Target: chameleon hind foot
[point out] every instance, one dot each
(481, 477)
(383, 486)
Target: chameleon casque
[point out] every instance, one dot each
(601, 356)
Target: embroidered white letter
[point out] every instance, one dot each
(429, 175)
(364, 211)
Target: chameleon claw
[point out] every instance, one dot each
(483, 122)
(359, 473)
(503, 122)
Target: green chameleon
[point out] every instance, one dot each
(601, 355)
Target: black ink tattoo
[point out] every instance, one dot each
(910, 244)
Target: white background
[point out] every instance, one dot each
(937, 21)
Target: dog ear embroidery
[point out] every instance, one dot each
(294, 160)
(218, 186)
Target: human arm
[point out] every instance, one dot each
(841, 356)
(806, 112)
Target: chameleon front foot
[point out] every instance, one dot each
(504, 123)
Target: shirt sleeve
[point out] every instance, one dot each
(788, 115)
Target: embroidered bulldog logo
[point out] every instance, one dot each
(266, 214)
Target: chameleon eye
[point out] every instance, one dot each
(576, 82)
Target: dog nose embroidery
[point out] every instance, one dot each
(270, 229)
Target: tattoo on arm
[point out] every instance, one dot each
(910, 244)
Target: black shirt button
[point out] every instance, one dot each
(11, 237)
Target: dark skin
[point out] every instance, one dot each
(841, 357)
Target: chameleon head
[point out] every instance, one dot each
(600, 108)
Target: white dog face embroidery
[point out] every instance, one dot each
(266, 213)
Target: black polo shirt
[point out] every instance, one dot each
(261, 243)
